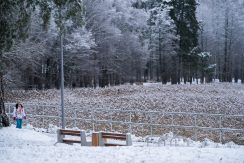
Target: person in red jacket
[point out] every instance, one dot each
(19, 114)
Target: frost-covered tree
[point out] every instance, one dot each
(14, 23)
(222, 35)
(117, 28)
(206, 70)
(163, 41)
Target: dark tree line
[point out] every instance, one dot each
(114, 42)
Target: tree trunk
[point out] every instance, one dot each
(242, 69)
(2, 107)
(174, 70)
(226, 62)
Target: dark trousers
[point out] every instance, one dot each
(18, 123)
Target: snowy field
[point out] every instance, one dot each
(38, 145)
(27, 145)
(225, 98)
(216, 98)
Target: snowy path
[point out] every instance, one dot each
(26, 145)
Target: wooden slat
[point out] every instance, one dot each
(114, 137)
(116, 134)
(110, 144)
(71, 141)
(72, 134)
(73, 131)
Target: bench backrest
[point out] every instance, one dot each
(115, 136)
(98, 139)
(62, 132)
(69, 132)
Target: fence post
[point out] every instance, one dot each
(75, 117)
(130, 124)
(35, 121)
(9, 112)
(151, 124)
(220, 126)
(43, 117)
(195, 129)
(110, 121)
(93, 119)
(36, 108)
(172, 123)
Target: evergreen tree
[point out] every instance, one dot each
(183, 13)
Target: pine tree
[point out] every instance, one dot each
(183, 13)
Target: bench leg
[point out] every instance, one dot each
(100, 139)
(83, 138)
(128, 140)
(95, 139)
(59, 136)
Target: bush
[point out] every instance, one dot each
(4, 120)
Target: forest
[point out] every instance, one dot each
(111, 42)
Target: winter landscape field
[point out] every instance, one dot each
(32, 145)
(38, 144)
(168, 73)
(116, 103)
(225, 98)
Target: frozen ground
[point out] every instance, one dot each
(225, 98)
(27, 145)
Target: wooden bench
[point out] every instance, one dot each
(98, 138)
(61, 137)
(104, 137)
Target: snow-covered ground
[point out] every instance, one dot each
(26, 145)
(216, 98)
(224, 98)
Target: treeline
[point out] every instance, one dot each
(113, 42)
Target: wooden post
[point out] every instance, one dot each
(95, 139)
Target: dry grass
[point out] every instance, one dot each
(222, 98)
